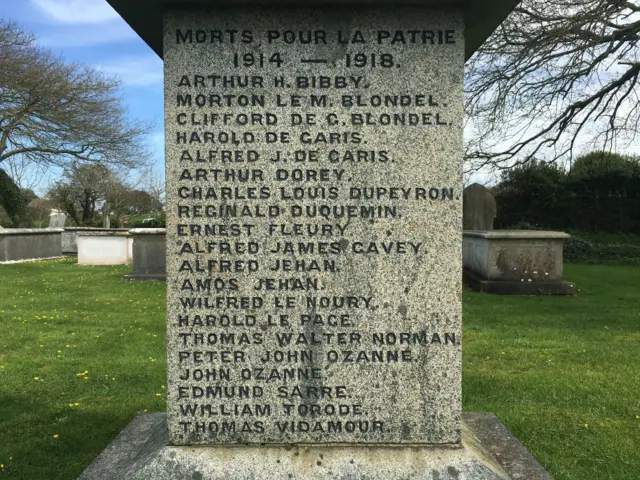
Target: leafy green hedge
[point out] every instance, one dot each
(601, 193)
(578, 249)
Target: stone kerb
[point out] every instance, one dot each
(104, 248)
(149, 254)
(29, 243)
(515, 261)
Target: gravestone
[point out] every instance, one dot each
(479, 208)
(57, 220)
(314, 212)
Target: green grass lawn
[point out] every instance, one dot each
(562, 373)
(82, 352)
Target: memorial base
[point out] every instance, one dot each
(515, 287)
(488, 452)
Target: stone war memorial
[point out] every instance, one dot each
(314, 246)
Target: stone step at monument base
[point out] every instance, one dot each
(516, 287)
(488, 452)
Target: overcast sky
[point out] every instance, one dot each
(91, 32)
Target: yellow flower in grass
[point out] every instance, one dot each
(56, 436)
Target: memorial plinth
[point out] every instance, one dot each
(314, 250)
(106, 247)
(70, 237)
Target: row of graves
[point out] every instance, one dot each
(144, 248)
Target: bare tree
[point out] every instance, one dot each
(54, 113)
(86, 188)
(155, 185)
(40, 209)
(83, 192)
(140, 201)
(119, 186)
(24, 172)
(555, 73)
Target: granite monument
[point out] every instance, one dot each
(314, 250)
(309, 239)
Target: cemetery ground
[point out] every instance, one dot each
(82, 352)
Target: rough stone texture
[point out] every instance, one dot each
(413, 289)
(70, 237)
(57, 220)
(30, 243)
(149, 254)
(479, 208)
(104, 248)
(515, 262)
(489, 451)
